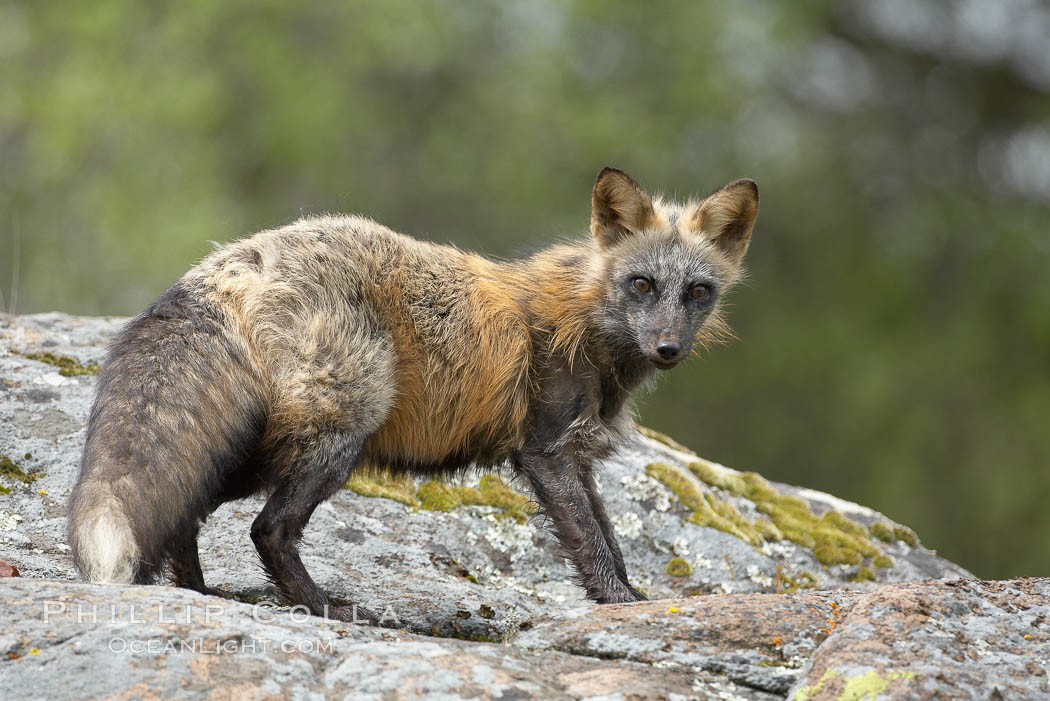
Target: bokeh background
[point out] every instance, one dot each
(894, 339)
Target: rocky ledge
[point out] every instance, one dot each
(759, 589)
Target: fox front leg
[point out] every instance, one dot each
(559, 486)
(607, 530)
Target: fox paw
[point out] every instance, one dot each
(353, 614)
(621, 596)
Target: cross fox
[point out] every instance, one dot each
(286, 360)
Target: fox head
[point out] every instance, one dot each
(666, 265)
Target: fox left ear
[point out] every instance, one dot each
(727, 217)
(619, 207)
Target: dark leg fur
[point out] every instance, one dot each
(560, 474)
(559, 487)
(607, 531)
(278, 528)
(186, 566)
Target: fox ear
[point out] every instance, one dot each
(728, 215)
(619, 207)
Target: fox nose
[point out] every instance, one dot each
(668, 350)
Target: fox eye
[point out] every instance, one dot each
(698, 291)
(641, 284)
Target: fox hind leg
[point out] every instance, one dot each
(186, 566)
(316, 476)
(336, 377)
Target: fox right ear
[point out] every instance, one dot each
(619, 207)
(728, 215)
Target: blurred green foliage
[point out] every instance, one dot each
(894, 340)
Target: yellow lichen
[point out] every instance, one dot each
(863, 687)
(808, 692)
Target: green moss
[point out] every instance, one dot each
(469, 495)
(806, 580)
(9, 468)
(791, 517)
(496, 492)
(846, 525)
(882, 562)
(518, 516)
(707, 510)
(4, 490)
(828, 554)
(715, 477)
(839, 539)
(745, 529)
(758, 487)
(666, 440)
(707, 517)
(890, 533)
(883, 531)
(863, 574)
(678, 567)
(906, 534)
(67, 367)
(802, 580)
(767, 529)
(438, 496)
(380, 483)
(834, 538)
(671, 477)
(491, 491)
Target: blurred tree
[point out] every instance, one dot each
(895, 337)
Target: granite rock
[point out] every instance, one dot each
(759, 589)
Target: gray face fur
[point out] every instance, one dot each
(660, 291)
(666, 264)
